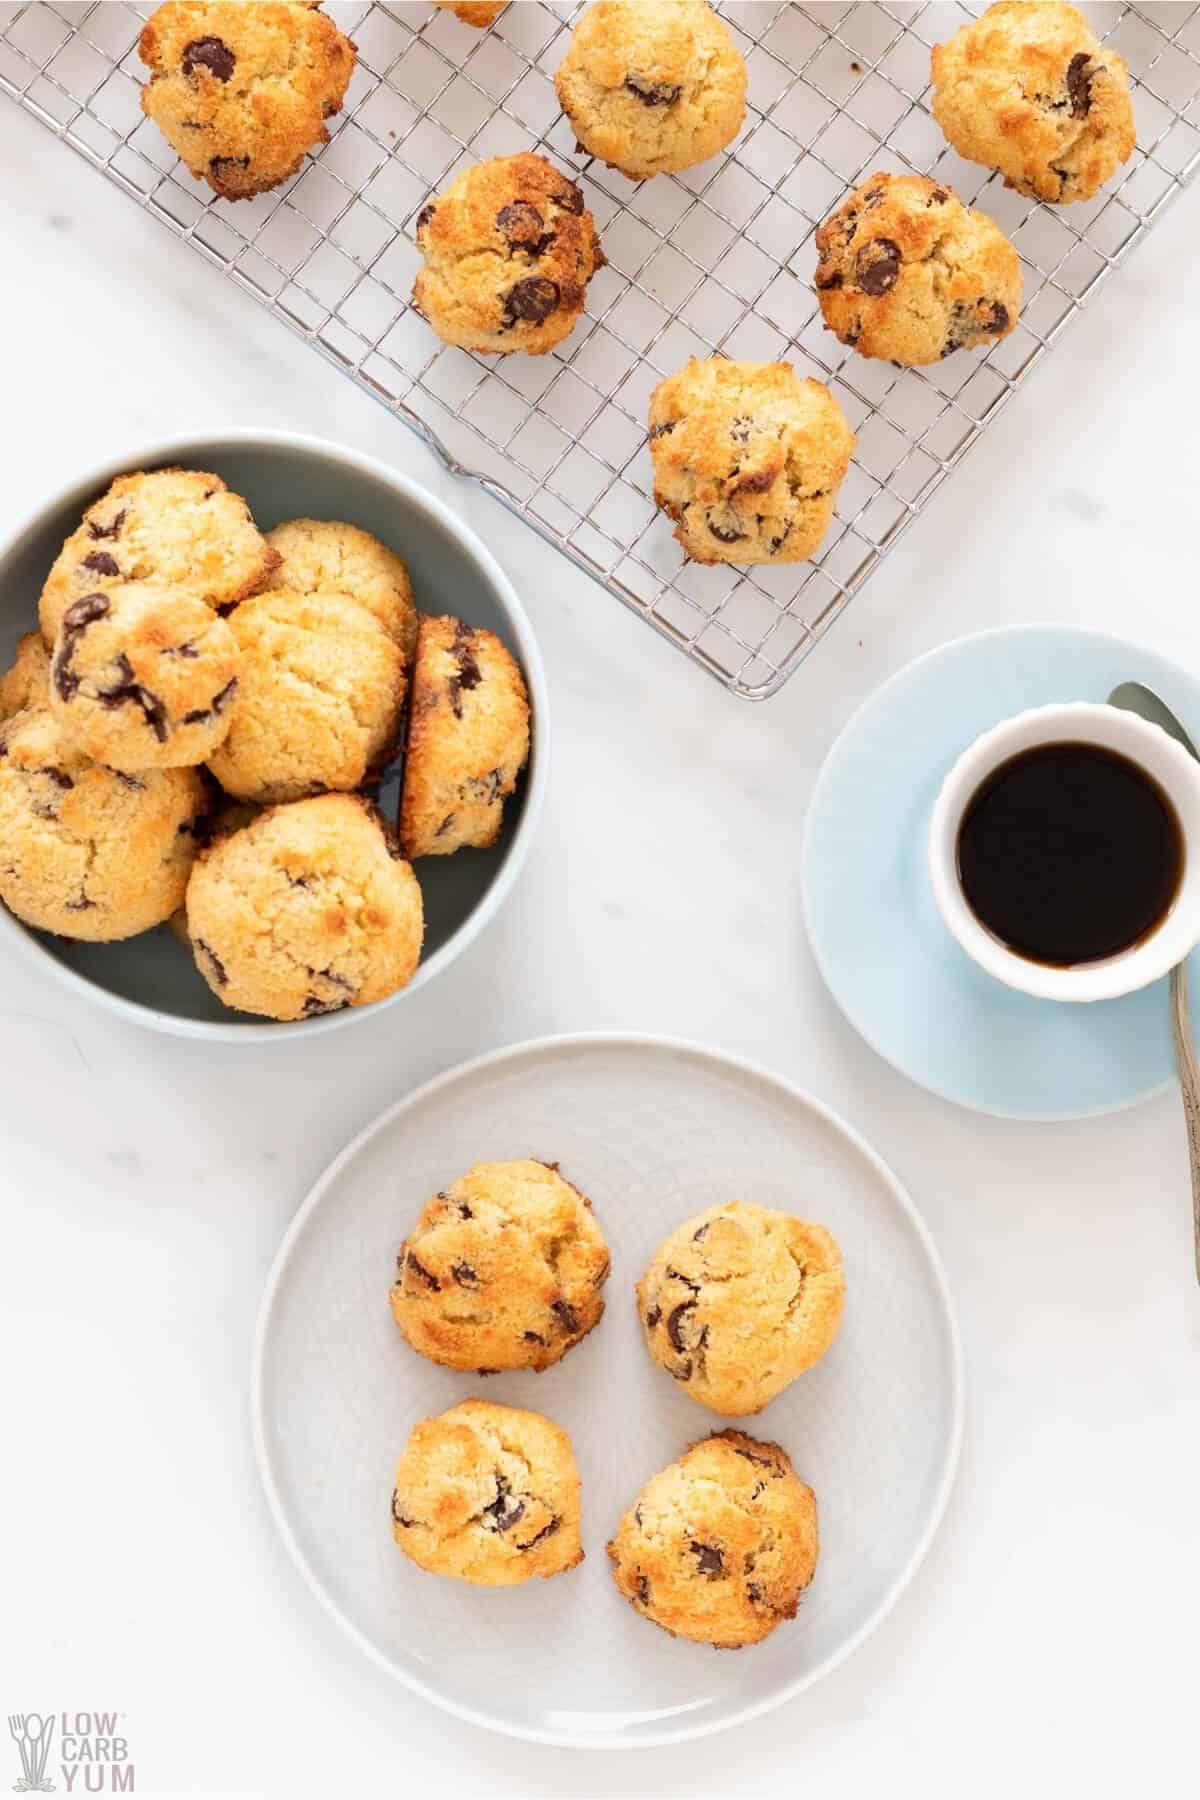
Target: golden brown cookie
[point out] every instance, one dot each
(179, 528)
(747, 460)
(739, 1301)
(488, 1494)
(652, 85)
(305, 910)
(503, 1270)
(480, 13)
(1030, 90)
(324, 556)
(509, 250)
(468, 739)
(907, 272)
(84, 851)
(27, 682)
(241, 92)
(719, 1546)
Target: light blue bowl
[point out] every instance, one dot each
(152, 979)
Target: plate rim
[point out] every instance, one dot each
(528, 1049)
(1033, 627)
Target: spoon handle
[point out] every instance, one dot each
(1189, 1086)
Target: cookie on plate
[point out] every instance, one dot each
(241, 93)
(651, 86)
(503, 1270)
(143, 677)
(719, 1546)
(307, 909)
(84, 851)
(739, 1301)
(747, 460)
(27, 682)
(468, 739)
(509, 250)
(488, 1494)
(320, 687)
(907, 272)
(1030, 90)
(480, 13)
(324, 556)
(180, 528)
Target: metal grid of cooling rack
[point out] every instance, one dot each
(719, 258)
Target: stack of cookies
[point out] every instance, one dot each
(198, 729)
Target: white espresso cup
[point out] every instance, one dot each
(1109, 728)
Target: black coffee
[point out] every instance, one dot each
(1069, 853)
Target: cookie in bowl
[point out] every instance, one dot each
(747, 460)
(27, 681)
(719, 1546)
(325, 556)
(739, 1301)
(488, 1494)
(509, 250)
(242, 93)
(908, 273)
(652, 86)
(1030, 90)
(503, 1270)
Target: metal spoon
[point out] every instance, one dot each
(1132, 697)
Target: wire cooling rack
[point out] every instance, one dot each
(719, 258)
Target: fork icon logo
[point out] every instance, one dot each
(32, 1733)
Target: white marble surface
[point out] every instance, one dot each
(1051, 1639)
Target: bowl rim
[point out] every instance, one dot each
(179, 447)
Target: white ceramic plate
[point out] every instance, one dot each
(652, 1131)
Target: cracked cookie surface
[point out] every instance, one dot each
(468, 739)
(1029, 89)
(503, 1270)
(907, 272)
(84, 851)
(509, 250)
(27, 681)
(143, 678)
(747, 460)
(320, 688)
(324, 556)
(739, 1301)
(719, 1546)
(241, 93)
(307, 909)
(651, 86)
(181, 528)
(488, 1494)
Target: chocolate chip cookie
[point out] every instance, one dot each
(509, 250)
(1030, 90)
(739, 1301)
(85, 851)
(503, 1270)
(652, 85)
(305, 910)
(243, 92)
(747, 460)
(719, 1546)
(324, 556)
(488, 1494)
(320, 688)
(908, 273)
(468, 739)
(143, 677)
(27, 682)
(181, 528)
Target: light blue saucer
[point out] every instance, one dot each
(888, 960)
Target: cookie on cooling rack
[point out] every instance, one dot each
(719, 1546)
(325, 556)
(908, 273)
(243, 92)
(651, 86)
(748, 460)
(1030, 90)
(27, 682)
(488, 1494)
(509, 250)
(479, 13)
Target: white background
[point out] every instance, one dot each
(1051, 1639)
